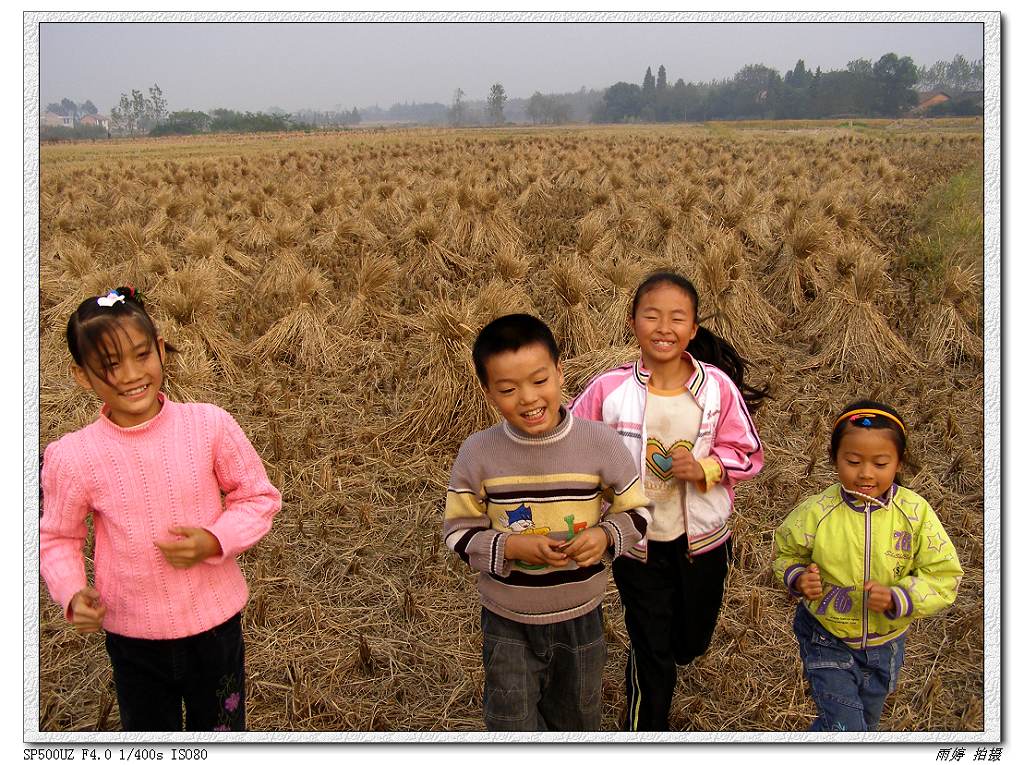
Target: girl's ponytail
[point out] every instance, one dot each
(712, 349)
(706, 346)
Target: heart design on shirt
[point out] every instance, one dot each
(659, 459)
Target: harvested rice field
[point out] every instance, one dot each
(326, 291)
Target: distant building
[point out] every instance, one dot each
(95, 120)
(928, 99)
(51, 119)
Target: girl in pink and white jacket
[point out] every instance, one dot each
(682, 410)
(176, 492)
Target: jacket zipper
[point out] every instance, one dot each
(686, 525)
(867, 576)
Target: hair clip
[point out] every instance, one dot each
(110, 299)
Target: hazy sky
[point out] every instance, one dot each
(253, 66)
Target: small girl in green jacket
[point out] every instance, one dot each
(866, 556)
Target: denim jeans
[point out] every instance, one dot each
(848, 686)
(543, 676)
(205, 671)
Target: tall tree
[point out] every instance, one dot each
(156, 106)
(496, 104)
(798, 76)
(70, 109)
(536, 107)
(894, 81)
(858, 66)
(123, 114)
(138, 106)
(756, 90)
(622, 101)
(963, 75)
(648, 83)
(662, 78)
(457, 112)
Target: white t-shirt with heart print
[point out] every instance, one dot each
(672, 419)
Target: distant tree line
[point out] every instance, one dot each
(335, 118)
(68, 108)
(885, 88)
(226, 121)
(953, 77)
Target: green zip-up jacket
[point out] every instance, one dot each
(901, 545)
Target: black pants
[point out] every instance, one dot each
(671, 606)
(205, 671)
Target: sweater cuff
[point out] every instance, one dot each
(789, 578)
(612, 533)
(713, 473)
(502, 565)
(74, 585)
(902, 605)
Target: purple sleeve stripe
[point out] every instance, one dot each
(904, 597)
(792, 574)
(902, 605)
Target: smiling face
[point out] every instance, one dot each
(526, 387)
(129, 381)
(867, 460)
(664, 324)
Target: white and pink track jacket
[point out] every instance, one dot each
(618, 398)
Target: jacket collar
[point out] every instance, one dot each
(860, 505)
(642, 376)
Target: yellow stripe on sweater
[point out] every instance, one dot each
(518, 480)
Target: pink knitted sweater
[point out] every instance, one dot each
(137, 483)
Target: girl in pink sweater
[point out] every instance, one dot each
(176, 493)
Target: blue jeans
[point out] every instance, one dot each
(206, 672)
(543, 676)
(848, 686)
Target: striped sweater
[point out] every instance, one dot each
(507, 482)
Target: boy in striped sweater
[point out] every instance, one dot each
(534, 504)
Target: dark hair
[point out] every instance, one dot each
(94, 329)
(510, 333)
(706, 345)
(872, 421)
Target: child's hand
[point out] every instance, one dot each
(86, 610)
(684, 466)
(535, 549)
(197, 546)
(879, 596)
(809, 583)
(587, 547)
